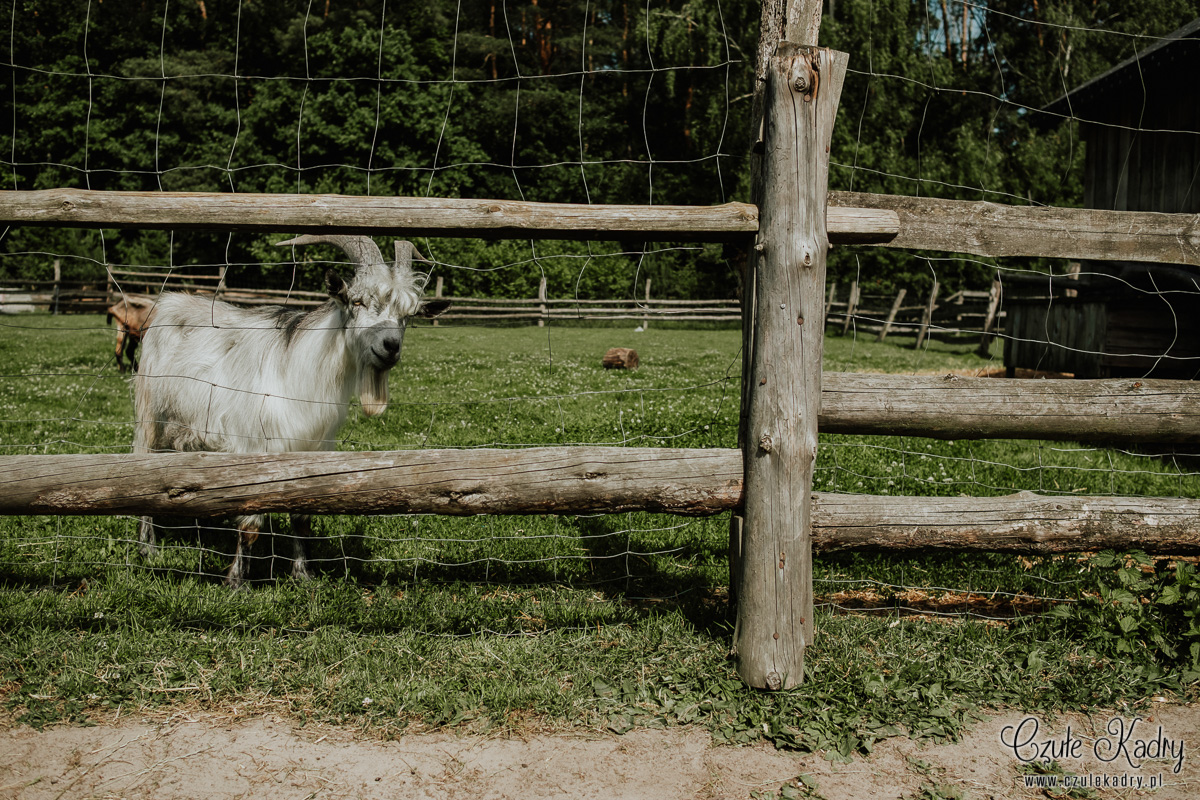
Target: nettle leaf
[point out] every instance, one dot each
(1124, 597)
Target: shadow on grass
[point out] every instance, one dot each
(591, 572)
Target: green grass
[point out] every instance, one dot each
(606, 622)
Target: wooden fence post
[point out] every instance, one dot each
(646, 320)
(542, 302)
(851, 307)
(437, 293)
(783, 391)
(57, 285)
(989, 319)
(891, 317)
(927, 315)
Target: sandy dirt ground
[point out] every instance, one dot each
(202, 756)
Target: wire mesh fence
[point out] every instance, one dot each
(592, 103)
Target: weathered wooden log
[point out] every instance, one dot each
(544, 480)
(620, 358)
(413, 216)
(988, 229)
(576, 480)
(782, 387)
(994, 229)
(1019, 523)
(954, 407)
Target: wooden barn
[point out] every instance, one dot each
(1140, 122)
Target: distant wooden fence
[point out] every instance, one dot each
(543, 309)
(963, 313)
(57, 297)
(69, 297)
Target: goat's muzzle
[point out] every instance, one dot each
(387, 351)
(382, 345)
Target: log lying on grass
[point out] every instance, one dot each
(620, 358)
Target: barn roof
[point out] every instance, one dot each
(1174, 57)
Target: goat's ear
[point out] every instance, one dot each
(336, 286)
(433, 308)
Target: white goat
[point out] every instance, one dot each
(274, 379)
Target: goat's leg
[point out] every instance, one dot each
(248, 529)
(301, 530)
(147, 541)
(131, 346)
(120, 349)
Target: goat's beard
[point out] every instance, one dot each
(373, 390)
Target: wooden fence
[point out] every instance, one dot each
(963, 314)
(767, 483)
(57, 296)
(540, 309)
(543, 309)
(79, 297)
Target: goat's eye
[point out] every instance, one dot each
(357, 303)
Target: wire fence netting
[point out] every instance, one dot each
(598, 102)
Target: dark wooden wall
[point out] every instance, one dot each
(1146, 154)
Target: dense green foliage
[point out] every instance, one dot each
(558, 100)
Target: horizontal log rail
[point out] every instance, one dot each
(629, 301)
(542, 480)
(994, 229)
(1019, 523)
(575, 481)
(954, 407)
(411, 216)
(980, 228)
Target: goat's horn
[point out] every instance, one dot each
(406, 254)
(359, 249)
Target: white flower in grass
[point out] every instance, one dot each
(367, 701)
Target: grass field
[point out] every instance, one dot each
(609, 621)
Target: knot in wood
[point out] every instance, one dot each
(774, 681)
(67, 205)
(805, 78)
(766, 444)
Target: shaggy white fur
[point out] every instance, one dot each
(269, 380)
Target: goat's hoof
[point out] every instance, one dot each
(234, 581)
(300, 571)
